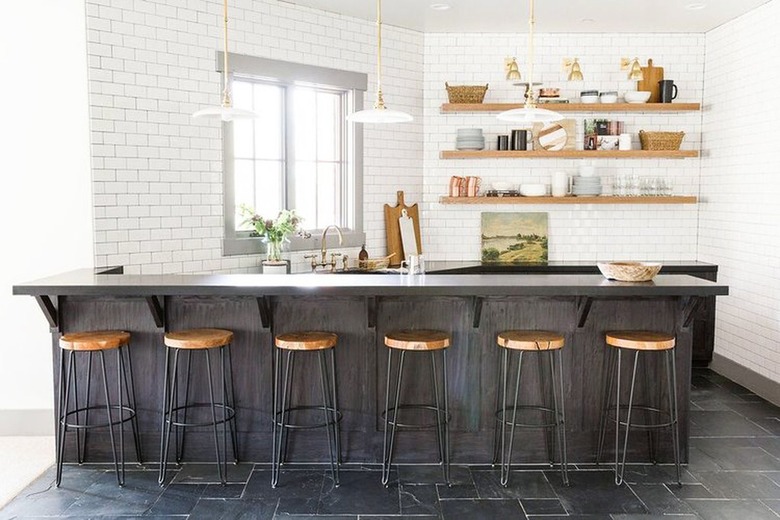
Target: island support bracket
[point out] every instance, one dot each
(584, 304)
(266, 309)
(49, 311)
(157, 308)
(690, 307)
(477, 307)
(371, 312)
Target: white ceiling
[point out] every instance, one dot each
(644, 16)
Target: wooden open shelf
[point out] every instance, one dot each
(569, 200)
(575, 107)
(567, 154)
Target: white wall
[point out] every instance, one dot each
(45, 206)
(740, 217)
(158, 172)
(584, 233)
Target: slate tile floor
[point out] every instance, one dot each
(734, 473)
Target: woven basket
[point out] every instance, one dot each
(373, 264)
(466, 93)
(629, 271)
(660, 140)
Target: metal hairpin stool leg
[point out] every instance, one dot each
(321, 343)
(175, 411)
(638, 342)
(539, 343)
(117, 414)
(405, 341)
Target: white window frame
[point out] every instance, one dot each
(290, 74)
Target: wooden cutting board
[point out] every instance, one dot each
(652, 75)
(393, 228)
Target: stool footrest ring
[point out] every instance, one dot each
(500, 414)
(663, 413)
(231, 414)
(308, 426)
(414, 427)
(99, 425)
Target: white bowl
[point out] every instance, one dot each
(588, 100)
(637, 96)
(503, 186)
(533, 190)
(608, 98)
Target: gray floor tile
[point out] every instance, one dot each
(231, 509)
(595, 492)
(420, 499)
(659, 500)
(739, 484)
(208, 474)
(358, 494)
(542, 506)
(522, 484)
(723, 424)
(481, 509)
(731, 510)
(105, 497)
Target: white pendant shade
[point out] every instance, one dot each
(379, 116)
(225, 113)
(529, 116)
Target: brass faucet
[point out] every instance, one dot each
(324, 251)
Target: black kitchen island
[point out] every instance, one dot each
(360, 309)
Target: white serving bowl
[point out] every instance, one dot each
(533, 190)
(637, 96)
(589, 100)
(503, 186)
(608, 98)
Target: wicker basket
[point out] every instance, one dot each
(629, 271)
(660, 140)
(374, 264)
(466, 93)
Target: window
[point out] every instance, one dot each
(300, 153)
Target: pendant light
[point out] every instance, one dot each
(380, 113)
(530, 114)
(576, 72)
(226, 111)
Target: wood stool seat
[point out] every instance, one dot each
(640, 340)
(530, 340)
(311, 340)
(425, 340)
(94, 340)
(195, 339)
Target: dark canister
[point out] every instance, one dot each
(503, 142)
(668, 90)
(519, 140)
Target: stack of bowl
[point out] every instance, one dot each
(586, 186)
(470, 139)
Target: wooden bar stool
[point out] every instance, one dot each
(539, 342)
(405, 341)
(638, 342)
(186, 342)
(85, 344)
(292, 343)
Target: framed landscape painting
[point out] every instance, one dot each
(514, 238)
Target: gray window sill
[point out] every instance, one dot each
(255, 245)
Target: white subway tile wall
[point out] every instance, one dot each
(584, 233)
(157, 173)
(740, 215)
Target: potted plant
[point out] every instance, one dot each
(274, 232)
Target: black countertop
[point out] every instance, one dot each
(461, 267)
(86, 282)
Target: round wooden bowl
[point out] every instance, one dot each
(629, 271)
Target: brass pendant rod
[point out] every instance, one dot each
(380, 102)
(226, 102)
(529, 95)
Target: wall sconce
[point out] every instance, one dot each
(572, 66)
(511, 69)
(633, 68)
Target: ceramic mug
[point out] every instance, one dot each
(561, 184)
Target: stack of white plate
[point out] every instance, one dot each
(470, 139)
(586, 186)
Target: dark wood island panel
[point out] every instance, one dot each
(360, 309)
